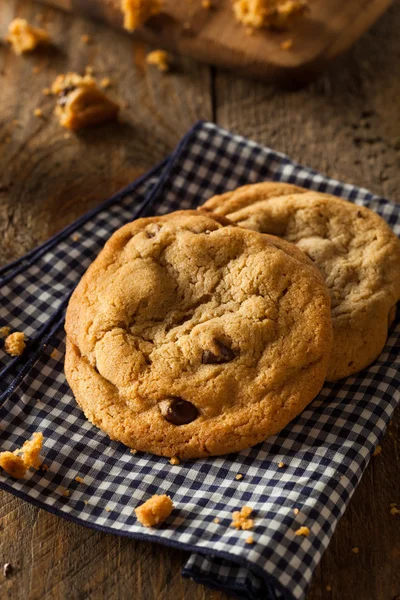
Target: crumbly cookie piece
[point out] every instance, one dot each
(191, 337)
(81, 103)
(356, 251)
(137, 12)
(241, 519)
(18, 462)
(4, 331)
(25, 37)
(276, 14)
(158, 58)
(154, 511)
(14, 343)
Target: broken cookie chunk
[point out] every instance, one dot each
(24, 37)
(15, 343)
(240, 519)
(276, 14)
(137, 12)
(18, 462)
(81, 103)
(154, 511)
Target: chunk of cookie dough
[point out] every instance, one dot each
(18, 462)
(138, 12)
(276, 14)
(24, 37)
(81, 103)
(190, 337)
(154, 511)
(355, 250)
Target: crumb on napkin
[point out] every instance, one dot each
(240, 519)
(154, 511)
(15, 343)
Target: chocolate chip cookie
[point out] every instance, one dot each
(356, 251)
(189, 336)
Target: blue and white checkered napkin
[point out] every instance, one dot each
(325, 449)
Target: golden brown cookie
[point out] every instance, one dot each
(191, 337)
(356, 251)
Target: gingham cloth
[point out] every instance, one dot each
(325, 449)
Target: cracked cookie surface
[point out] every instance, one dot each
(356, 251)
(190, 337)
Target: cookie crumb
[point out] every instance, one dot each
(54, 354)
(137, 12)
(174, 460)
(18, 462)
(286, 44)
(36, 70)
(80, 101)
(79, 479)
(240, 519)
(133, 451)
(276, 14)
(15, 344)
(64, 491)
(355, 550)
(216, 520)
(24, 37)
(86, 501)
(154, 511)
(7, 569)
(281, 465)
(377, 450)
(105, 83)
(38, 112)
(239, 476)
(394, 511)
(250, 540)
(160, 59)
(108, 509)
(4, 331)
(206, 4)
(393, 504)
(328, 587)
(296, 511)
(303, 531)
(85, 38)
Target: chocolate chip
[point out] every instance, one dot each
(178, 411)
(222, 354)
(62, 96)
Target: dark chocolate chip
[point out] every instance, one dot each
(222, 354)
(62, 96)
(178, 411)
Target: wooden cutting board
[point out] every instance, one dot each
(213, 36)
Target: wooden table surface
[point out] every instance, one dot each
(347, 124)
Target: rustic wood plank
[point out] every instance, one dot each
(347, 126)
(44, 168)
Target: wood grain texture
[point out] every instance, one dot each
(346, 124)
(214, 36)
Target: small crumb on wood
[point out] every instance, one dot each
(206, 4)
(378, 450)
(38, 112)
(174, 460)
(137, 12)
(154, 511)
(239, 476)
(303, 531)
(85, 38)
(328, 587)
(24, 37)
(250, 540)
(105, 83)
(14, 344)
(240, 519)
(160, 59)
(355, 550)
(394, 511)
